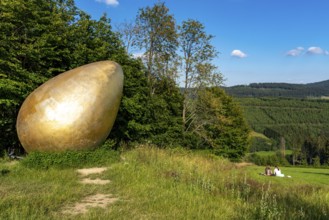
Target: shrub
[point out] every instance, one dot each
(70, 159)
(260, 144)
(263, 160)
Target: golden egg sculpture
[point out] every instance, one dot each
(74, 110)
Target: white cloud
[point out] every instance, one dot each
(138, 55)
(238, 53)
(317, 51)
(295, 52)
(109, 2)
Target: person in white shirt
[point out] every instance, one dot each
(277, 172)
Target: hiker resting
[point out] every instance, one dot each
(277, 172)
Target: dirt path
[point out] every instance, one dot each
(97, 200)
(96, 170)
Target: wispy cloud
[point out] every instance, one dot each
(238, 53)
(295, 52)
(317, 51)
(299, 51)
(109, 2)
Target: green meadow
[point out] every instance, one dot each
(150, 183)
(316, 177)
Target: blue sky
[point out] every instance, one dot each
(258, 40)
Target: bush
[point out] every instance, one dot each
(263, 160)
(260, 144)
(70, 159)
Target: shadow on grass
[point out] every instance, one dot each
(326, 174)
(4, 172)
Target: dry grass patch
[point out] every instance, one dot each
(94, 170)
(89, 171)
(96, 181)
(93, 201)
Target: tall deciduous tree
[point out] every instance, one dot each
(127, 31)
(157, 37)
(197, 54)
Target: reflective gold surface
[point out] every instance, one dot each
(74, 110)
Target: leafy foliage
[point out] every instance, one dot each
(165, 111)
(265, 160)
(220, 124)
(70, 159)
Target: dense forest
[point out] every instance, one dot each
(301, 125)
(318, 89)
(40, 39)
(291, 116)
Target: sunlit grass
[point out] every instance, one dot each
(258, 135)
(299, 175)
(39, 194)
(167, 184)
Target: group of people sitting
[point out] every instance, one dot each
(276, 172)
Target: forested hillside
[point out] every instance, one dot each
(318, 89)
(302, 125)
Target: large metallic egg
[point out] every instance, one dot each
(74, 110)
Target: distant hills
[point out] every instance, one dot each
(317, 89)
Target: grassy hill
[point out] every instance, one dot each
(318, 89)
(149, 183)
